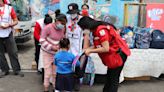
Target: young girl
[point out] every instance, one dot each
(63, 61)
(50, 37)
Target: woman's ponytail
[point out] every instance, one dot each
(60, 17)
(47, 19)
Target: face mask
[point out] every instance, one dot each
(84, 13)
(59, 26)
(73, 16)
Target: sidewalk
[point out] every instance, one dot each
(32, 83)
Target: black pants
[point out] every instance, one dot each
(9, 44)
(37, 51)
(113, 76)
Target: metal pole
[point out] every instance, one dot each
(126, 15)
(139, 14)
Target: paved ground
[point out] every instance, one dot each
(25, 54)
(29, 83)
(32, 81)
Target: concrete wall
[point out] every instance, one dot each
(115, 9)
(153, 1)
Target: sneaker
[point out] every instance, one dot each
(39, 72)
(161, 77)
(19, 73)
(77, 87)
(2, 74)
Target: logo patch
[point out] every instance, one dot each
(102, 32)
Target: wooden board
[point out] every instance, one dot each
(139, 78)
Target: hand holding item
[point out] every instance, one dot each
(87, 51)
(4, 25)
(55, 48)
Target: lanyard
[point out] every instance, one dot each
(2, 11)
(72, 27)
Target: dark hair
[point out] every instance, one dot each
(85, 5)
(6, 3)
(47, 19)
(57, 12)
(89, 23)
(64, 43)
(60, 17)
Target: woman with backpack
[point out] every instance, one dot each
(110, 47)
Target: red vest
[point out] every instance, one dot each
(111, 59)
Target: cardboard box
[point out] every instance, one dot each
(34, 66)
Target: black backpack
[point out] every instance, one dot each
(79, 70)
(157, 39)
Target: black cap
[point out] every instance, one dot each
(73, 8)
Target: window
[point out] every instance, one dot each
(22, 9)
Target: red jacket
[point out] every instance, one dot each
(107, 33)
(37, 31)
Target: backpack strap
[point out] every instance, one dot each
(76, 60)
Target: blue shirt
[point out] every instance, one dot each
(63, 60)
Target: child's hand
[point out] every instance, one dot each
(55, 48)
